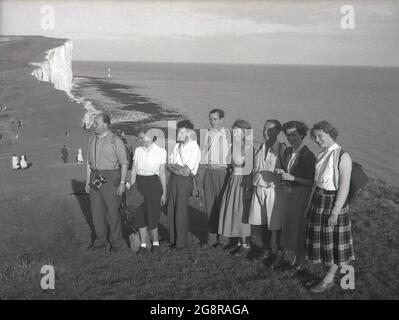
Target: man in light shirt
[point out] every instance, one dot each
(107, 159)
(216, 159)
(183, 165)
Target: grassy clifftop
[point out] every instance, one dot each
(43, 224)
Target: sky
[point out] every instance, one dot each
(237, 31)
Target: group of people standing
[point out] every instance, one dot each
(288, 190)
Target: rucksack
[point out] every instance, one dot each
(358, 178)
(129, 152)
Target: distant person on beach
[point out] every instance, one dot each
(149, 172)
(183, 165)
(298, 179)
(216, 155)
(79, 156)
(15, 162)
(236, 199)
(267, 199)
(105, 181)
(23, 162)
(328, 234)
(64, 154)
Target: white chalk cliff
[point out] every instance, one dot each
(56, 67)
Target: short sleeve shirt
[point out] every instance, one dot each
(188, 154)
(148, 161)
(217, 148)
(104, 155)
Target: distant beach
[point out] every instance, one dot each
(127, 108)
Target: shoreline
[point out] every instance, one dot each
(128, 109)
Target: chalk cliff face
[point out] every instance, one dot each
(57, 67)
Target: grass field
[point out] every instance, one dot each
(52, 230)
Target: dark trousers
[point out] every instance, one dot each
(267, 238)
(151, 189)
(105, 209)
(179, 191)
(214, 184)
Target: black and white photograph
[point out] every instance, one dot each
(198, 155)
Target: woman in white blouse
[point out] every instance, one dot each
(328, 235)
(183, 166)
(148, 171)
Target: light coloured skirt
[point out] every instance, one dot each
(233, 219)
(267, 207)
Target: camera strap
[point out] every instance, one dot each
(95, 152)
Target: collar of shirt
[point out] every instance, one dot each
(297, 150)
(274, 147)
(333, 147)
(150, 147)
(214, 131)
(328, 150)
(186, 144)
(102, 136)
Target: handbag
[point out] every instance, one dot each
(359, 178)
(196, 186)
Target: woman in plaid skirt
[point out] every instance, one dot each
(328, 234)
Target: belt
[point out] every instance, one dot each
(106, 170)
(212, 167)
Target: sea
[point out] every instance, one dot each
(362, 102)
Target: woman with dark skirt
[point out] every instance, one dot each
(328, 234)
(148, 171)
(298, 180)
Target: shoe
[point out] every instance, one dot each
(155, 249)
(143, 251)
(252, 257)
(278, 261)
(322, 286)
(209, 245)
(97, 248)
(242, 251)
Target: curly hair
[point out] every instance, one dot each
(300, 127)
(185, 124)
(327, 127)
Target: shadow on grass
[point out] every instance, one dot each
(78, 188)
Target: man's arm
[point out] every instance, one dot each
(88, 172)
(122, 186)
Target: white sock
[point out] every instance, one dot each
(328, 277)
(155, 243)
(143, 245)
(246, 245)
